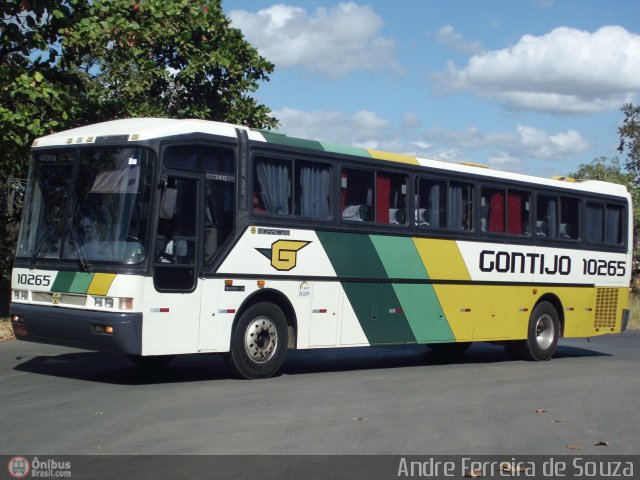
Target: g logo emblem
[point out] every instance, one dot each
(283, 253)
(56, 297)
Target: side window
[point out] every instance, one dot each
(272, 186)
(603, 223)
(492, 210)
(313, 189)
(356, 194)
(175, 246)
(431, 210)
(391, 194)
(569, 218)
(461, 206)
(183, 157)
(219, 201)
(547, 216)
(177, 226)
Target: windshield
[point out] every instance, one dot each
(87, 205)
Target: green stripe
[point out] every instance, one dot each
(424, 313)
(355, 256)
(352, 255)
(63, 281)
(291, 141)
(399, 257)
(81, 282)
(371, 303)
(332, 147)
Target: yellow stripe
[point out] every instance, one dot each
(393, 157)
(442, 259)
(101, 283)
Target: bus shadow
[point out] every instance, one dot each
(116, 369)
(368, 358)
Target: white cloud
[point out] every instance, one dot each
(525, 142)
(509, 150)
(363, 129)
(331, 41)
(453, 40)
(565, 71)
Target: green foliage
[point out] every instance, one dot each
(179, 58)
(630, 137)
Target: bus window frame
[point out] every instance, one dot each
(375, 169)
(256, 154)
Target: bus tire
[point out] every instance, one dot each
(542, 337)
(258, 342)
(449, 349)
(152, 361)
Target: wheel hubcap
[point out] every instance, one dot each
(261, 339)
(544, 332)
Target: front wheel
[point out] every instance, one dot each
(543, 333)
(259, 342)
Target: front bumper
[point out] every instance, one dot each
(78, 328)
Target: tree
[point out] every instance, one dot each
(176, 58)
(630, 137)
(610, 170)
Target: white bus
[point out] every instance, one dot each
(158, 237)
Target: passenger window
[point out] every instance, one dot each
(313, 189)
(272, 186)
(461, 206)
(431, 208)
(547, 217)
(391, 194)
(603, 223)
(356, 195)
(569, 218)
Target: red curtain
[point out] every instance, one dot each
(514, 212)
(496, 212)
(383, 186)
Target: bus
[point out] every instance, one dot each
(158, 237)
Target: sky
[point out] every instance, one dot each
(528, 86)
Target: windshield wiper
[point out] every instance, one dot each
(84, 263)
(45, 242)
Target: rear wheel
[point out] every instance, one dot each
(543, 333)
(259, 342)
(452, 349)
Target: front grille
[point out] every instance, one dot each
(64, 298)
(606, 308)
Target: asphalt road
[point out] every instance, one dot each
(56, 400)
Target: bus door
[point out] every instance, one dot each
(174, 308)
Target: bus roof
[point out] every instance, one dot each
(136, 129)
